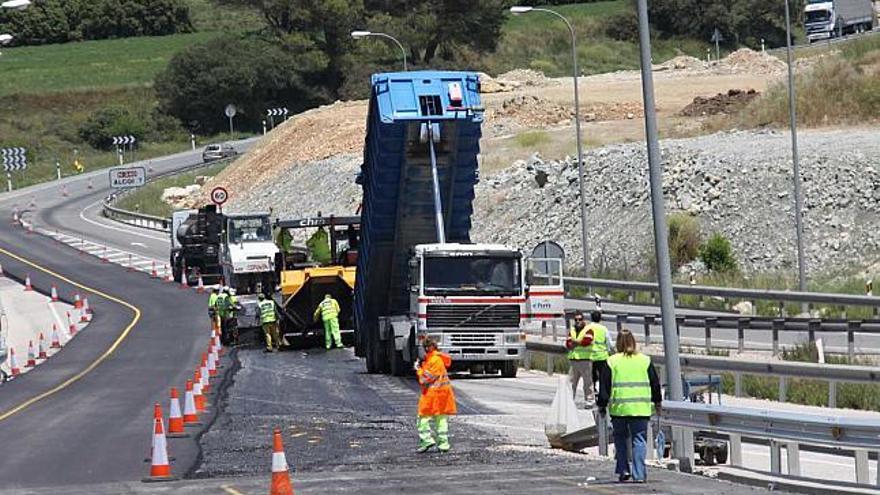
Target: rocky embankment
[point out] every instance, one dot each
(737, 183)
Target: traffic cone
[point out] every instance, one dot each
(197, 393)
(212, 363)
(153, 272)
(183, 277)
(280, 475)
(190, 413)
(160, 469)
(83, 317)
(104, 258)
(56, 339)
(31, 357)
(168, 277)
(13, 363)
(41, 349)
(175, 419)
(86, 309)
(1, 271)
(201, 287)
(27, 283)
(54, 293)
(77, 301)
(71, 326)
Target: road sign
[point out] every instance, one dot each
(14, 159)
(230, 110)
(716, 36)
(124, 140)
(219, 195)
(121, 178)
(277, 112)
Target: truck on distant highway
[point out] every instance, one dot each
(418, 273)
(235, 250)
(825, 19)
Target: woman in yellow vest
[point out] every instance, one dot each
(630, 390)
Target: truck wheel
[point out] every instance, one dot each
(372, 361)
(707, 455)
(721, 454)
(397, 365)
(509, 369)
(377, 358)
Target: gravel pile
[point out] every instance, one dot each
(737, 183)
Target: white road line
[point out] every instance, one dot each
(110, 227)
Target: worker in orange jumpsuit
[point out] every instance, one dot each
(437, 401)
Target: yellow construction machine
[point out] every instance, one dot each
(325, 264)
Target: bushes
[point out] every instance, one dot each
(98, 130)
(717, 254)
(684, 239)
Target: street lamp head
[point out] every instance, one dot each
(360, 34)
(520, 9)
(15, 4)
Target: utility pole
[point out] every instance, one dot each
(796, 169)
(661, 242)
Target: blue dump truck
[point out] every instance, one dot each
(418, 274)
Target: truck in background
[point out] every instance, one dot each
(233, 250)
(825, 19)
(418, 273)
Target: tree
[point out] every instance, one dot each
(98, 130)
(253, 74)
(717, 254)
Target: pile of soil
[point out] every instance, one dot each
(529, 111)
(722, 103)
(612, 111)
(488, 84)
(526, 77)
(749, 61)
(683, 62)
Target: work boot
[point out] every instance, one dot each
(443, 449)
(339, 346)
(424, 448)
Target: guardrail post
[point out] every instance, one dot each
(843, 311)
(553, 324)
(679, 322)
(686, 437)
(737, 384)
(741, 333)
(851, 328)
(754, 308)
(812, 326)
(631, 296)
(793, 458)
(775, 457)
(621, 319)
(549, 364)
(832, 393)
(708, 322)
(527, 360)
(863, 475)
(543, 329)
(783, 388)
(778, 324)
(649, 320)
(735, 449)
(782, 309)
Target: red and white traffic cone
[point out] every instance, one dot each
(168, 277)
(56, 339)
(160, 469)
(104, 258)
(190, 412)
(212, 362)
(281, 484)
(71, 326)
(13, 363)
(183, 277)
(175, 419)
(203, 372)
(77, 301)
(153, 272)
(86, 309)
(1, 271)
(197, 392)
(41, 349)
(54, 294)
(27, 283)
(200, 288)
(31, 357)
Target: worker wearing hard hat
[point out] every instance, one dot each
(221, 306)
(328, 309)
(319, 246)
(437, 401)
(212, 308)
(269, 321)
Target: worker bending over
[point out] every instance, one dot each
(437, 401)
(212, 309)
(628, 387)
(329, 311)
(269, 321)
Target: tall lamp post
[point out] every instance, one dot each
(796, 171)
(363, 34)
(521, 9)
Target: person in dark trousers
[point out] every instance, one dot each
(629, 389)
(578, 345)
(599, 348)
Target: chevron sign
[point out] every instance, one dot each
(277, 112)
(14, 159)
(124, 140)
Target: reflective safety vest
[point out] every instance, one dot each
(267, 311)
(578, 352)
(630, 385)
(212, 300)
(329, 309)
(222, 304)
(437, 396)
(599, 347)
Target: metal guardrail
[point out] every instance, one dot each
(788, 429)
(150, 221)
(833, 374)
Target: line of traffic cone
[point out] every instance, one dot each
(54, 294)
(160, 467)
(203, 373)
(42, 352)
(77, 301)
(13, 363)
(71, 326)
(168, 276)
(281, 484)
(200, 288)
(175, 418)
(31, 357)
(27, 283)
(56, 338)
(190, 412)
(153, 272)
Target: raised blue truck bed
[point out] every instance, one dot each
(398, 205)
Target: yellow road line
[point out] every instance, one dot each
(137, 316)
(231, 491)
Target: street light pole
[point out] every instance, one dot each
(364, 34)
(796, 170)
(577, 127)
(661, 242)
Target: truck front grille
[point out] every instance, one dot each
(471, 340)
(473, 315)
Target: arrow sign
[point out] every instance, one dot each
(716, 36)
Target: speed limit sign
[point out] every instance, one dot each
(219, 195)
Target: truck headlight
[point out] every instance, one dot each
(514, 338)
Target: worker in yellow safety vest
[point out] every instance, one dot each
(212, 308)
(600, 346)
(269, 321)
(328, 309)
(629, 389)
(578, 344)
